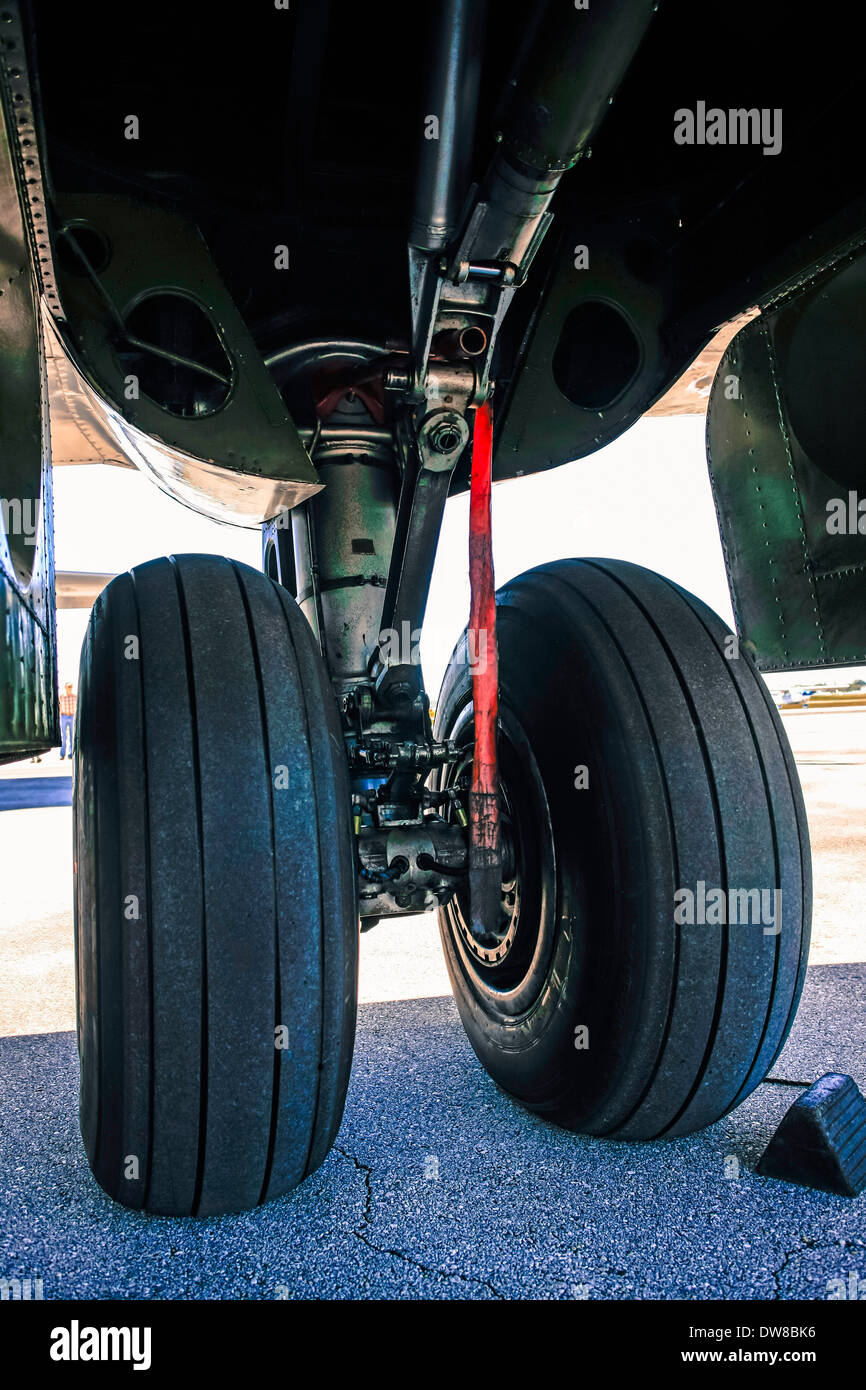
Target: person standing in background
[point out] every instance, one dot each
(68, 701)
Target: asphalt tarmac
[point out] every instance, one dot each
(439, 1185)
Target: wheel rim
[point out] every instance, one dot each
(507, 970)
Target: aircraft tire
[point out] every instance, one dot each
(216, 921)
(647, 786)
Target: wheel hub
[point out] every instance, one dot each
(493, 949)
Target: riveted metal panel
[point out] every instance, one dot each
(28, 702)
(785, 449)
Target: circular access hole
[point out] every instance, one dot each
(175, 353)
(596, 357)
(80, 242)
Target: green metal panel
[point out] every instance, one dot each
(785, 431)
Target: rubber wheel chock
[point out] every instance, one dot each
(821, 1141)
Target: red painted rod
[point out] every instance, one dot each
(484, 842)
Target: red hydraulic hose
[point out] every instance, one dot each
(484, 844)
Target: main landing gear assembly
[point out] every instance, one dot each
(258, 775)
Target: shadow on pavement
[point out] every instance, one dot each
(30, 793)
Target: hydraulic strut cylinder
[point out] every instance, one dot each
(342, 548)
(573, 67)
(453, 64)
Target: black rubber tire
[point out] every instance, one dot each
(607, 665)
(200, 681)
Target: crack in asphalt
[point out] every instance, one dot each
(789, 1255)
(806, 1243)
(367, 1173)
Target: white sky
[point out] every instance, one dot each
(644, 498)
